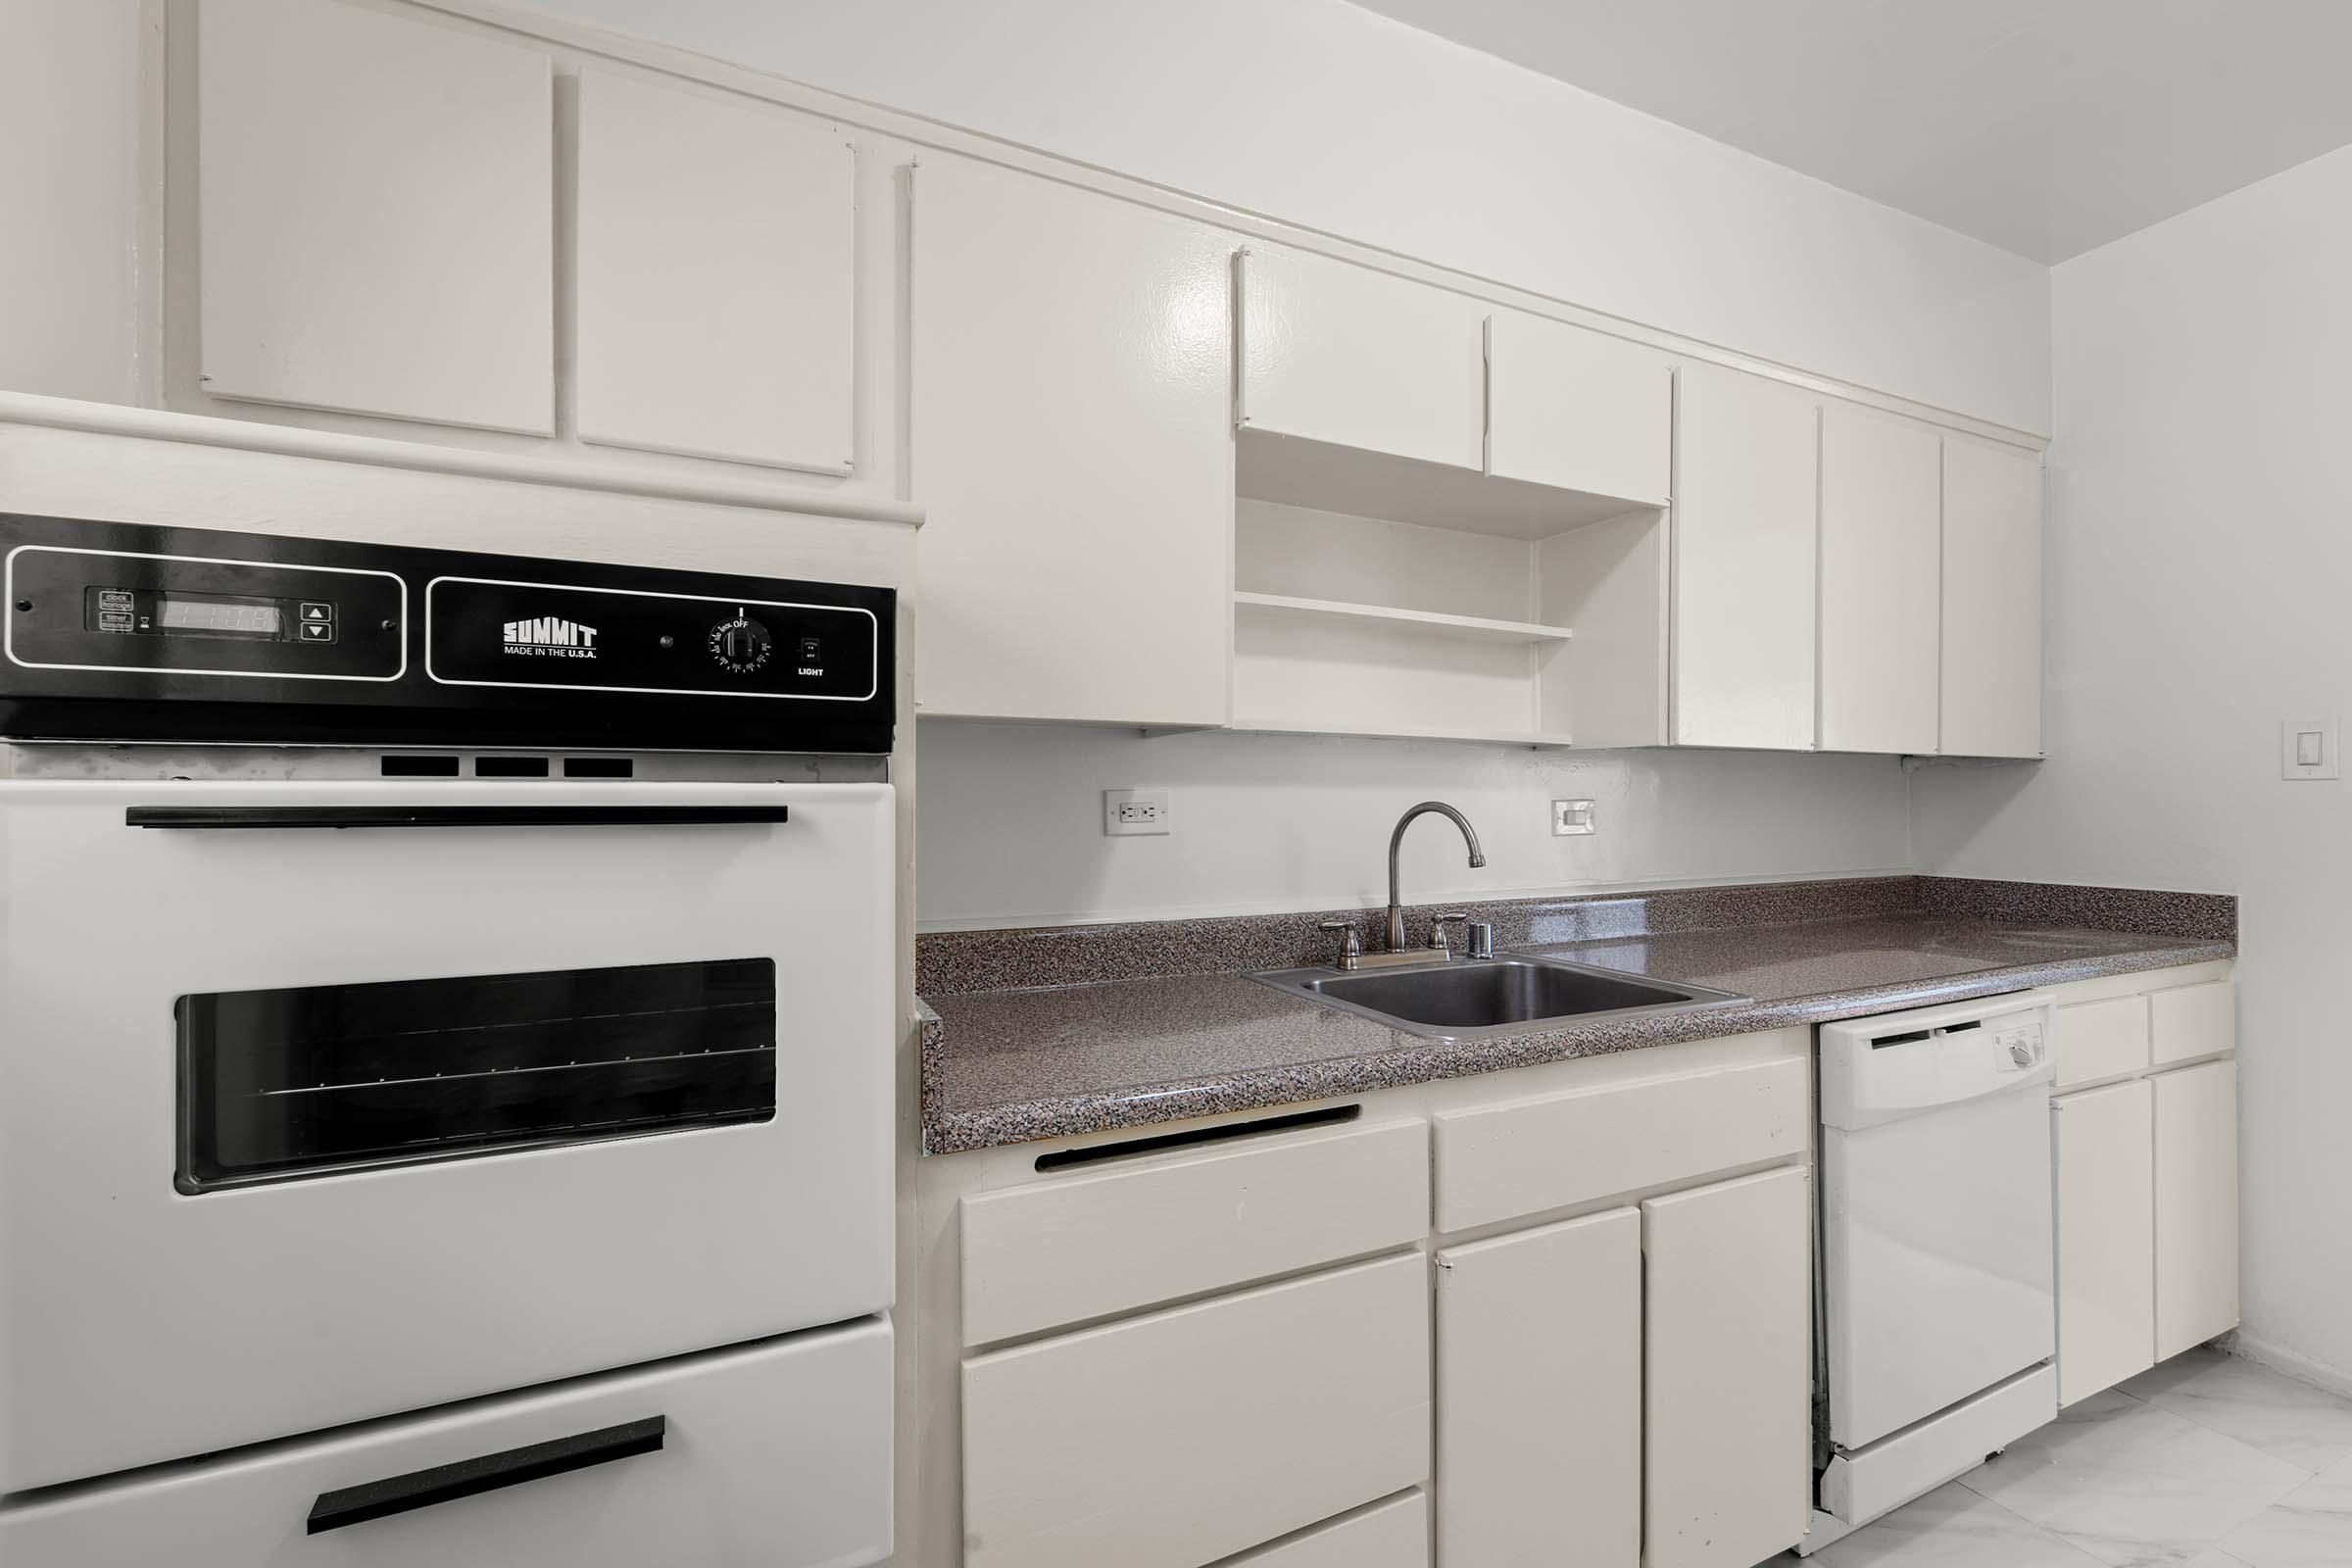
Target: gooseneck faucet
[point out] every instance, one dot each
(1478, 858)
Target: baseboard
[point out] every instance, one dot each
(2278, 1358)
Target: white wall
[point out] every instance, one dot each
(1325, 115)
(1010, 821)
(71, 274)
(2200, 550)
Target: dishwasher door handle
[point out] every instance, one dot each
(213, 817)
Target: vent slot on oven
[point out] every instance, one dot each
(316, 1080)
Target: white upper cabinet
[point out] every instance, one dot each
(1880, 512)
(1343, 355)
(1745, 499)
(717, 283)
(1991, 601)
(377, 215)
(1578, 410)
(1072, 441)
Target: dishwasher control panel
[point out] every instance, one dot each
(1876, 1069)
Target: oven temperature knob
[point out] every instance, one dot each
(741, 645)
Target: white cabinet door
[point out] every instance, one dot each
(1880, 567)
(2196, 1206)
(1072, 387)
(1540, 1397)
(2101, 1144)
(1991, 602)
(1578, 409)
(717, 295)
(1744, 506)
(1180, 1438)
(1728, 1371)
(1343, 355)
(377, 217)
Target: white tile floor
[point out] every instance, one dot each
(2208, 1462)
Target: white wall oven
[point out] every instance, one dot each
(425, 976)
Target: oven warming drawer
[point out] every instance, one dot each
(778, 1455)
(302, 1127)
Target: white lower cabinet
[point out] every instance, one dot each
(779, 1454)
(1173, 1440)
(1539, 1396)
(1388, 1535)
(2101, 1141)
(1727, 1371)
(2196, 1205)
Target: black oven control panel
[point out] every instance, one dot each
(123, 631)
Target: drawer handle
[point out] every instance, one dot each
(466, 1478)
(263, 817)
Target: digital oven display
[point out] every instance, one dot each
(218, 616)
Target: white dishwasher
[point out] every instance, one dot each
(1938, 1316)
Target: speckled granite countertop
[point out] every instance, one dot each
(1004, 1065)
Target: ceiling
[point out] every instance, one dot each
(2044, 127)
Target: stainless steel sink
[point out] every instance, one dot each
(1462, 998)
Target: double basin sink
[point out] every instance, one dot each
(1466, 998)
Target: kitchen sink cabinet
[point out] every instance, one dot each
(1619, 1362)
(1071, 393)
(1745, 542)
(1539, 1387)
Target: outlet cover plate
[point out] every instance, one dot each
(1570, 817)
(1134, 813)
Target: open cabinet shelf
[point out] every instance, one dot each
(1386, 596)
(1505, 631)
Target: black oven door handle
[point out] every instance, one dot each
(467, 1478)
(520, 815)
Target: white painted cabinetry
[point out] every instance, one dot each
(1746, 487)
(1578, 410)
(1727, 1371)
(1880, 571)
(1539, 1388)
(2102, 1144)
(1072, 441)
(1991, 601)
(718, 284)
(375, 215)
(1352, 358)
(2144, 1137)
(2196, 1205)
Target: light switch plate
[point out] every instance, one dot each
(1569, 817)
(1127, 812)
(2307, 749)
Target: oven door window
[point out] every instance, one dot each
(311, 1081)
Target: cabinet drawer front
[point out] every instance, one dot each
(1177, 1439)
(779, 1454)
(2100, 1040)
(2101, 1144)
(2192, 1021)
(1540, 1397)
(2196, 1205)
(1067, 1250)
(1727, 1371)
(1572, 1148)
(1389, 1535)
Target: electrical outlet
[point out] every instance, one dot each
(1135, 811)
(1569, 817)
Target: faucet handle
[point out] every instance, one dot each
(1352, 946)
(1437, 929)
